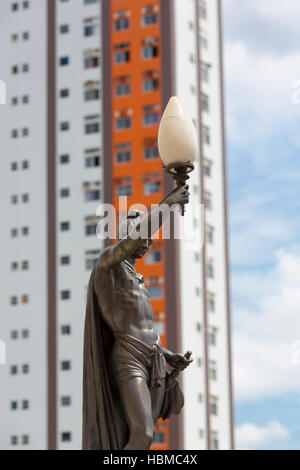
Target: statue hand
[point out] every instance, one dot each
(178, 361)
(178, 196)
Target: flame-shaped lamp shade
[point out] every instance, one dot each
(177, 139)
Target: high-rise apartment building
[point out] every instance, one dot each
(87, 82)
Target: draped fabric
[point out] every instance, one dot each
(103, 425)
(132, 357)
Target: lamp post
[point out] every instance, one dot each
(177, 142)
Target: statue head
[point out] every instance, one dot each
(131, 221)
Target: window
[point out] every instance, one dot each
(25, 132)
(25, 265)
(150, 149)
(64, 192)
(214, 441)
(159, 438)
(123, 119)
(14, 166)
(154, 256)
(212, 336)
(91, 223)
(25, 404)
(64, 126)
(122, 21)
(124, 190)
(122, 53)
(26, 36)
(14, 440)
(203, 41)
(14, 133)
(25, 334)
(15, 7)
(64, 28)
(92, 124)
(14, 266)
(91, 58)
(91, 258)
(208, 200)
(205, 102)
(65, 295)
(209, 234)
(210, 269)
(207, 167)
(13, 370)
(66, 436)
(204, 69)
(14, 37)
(206, 135)
(203, 9)
(91, 26)
(63, 61)
(91, 90)
(212, 370)
(14, 334)
(26, 5)
(150, 48)
(149, 15)
(92, 191)
(64, 93)
(92, 158)
(13, 405)
(14, 199)
(65, 158)
(151, 115)
(25, 299)
(14, 100)
(25, 231)
(89, 2)
(66, 401)
(123, 85)
(150, 81)
(65, 365)
(155, 292)
(65, 260)
(25, 369)
(66, 330)
(151, 187)
(211, 303)
(123, 153)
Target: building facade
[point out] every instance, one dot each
(87, 82)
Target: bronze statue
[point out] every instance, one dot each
(126, 388)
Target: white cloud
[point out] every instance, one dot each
(266, 26)
(252, 437)
(265, 333)
(259, 94)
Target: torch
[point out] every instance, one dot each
(177, 142)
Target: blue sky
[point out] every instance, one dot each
(262, 61)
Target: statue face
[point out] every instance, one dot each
(143, 249)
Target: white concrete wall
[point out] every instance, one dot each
(74, 209)
(195, 429)
(30, 351)
(190, 269)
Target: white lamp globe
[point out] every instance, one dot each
(177, 138)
